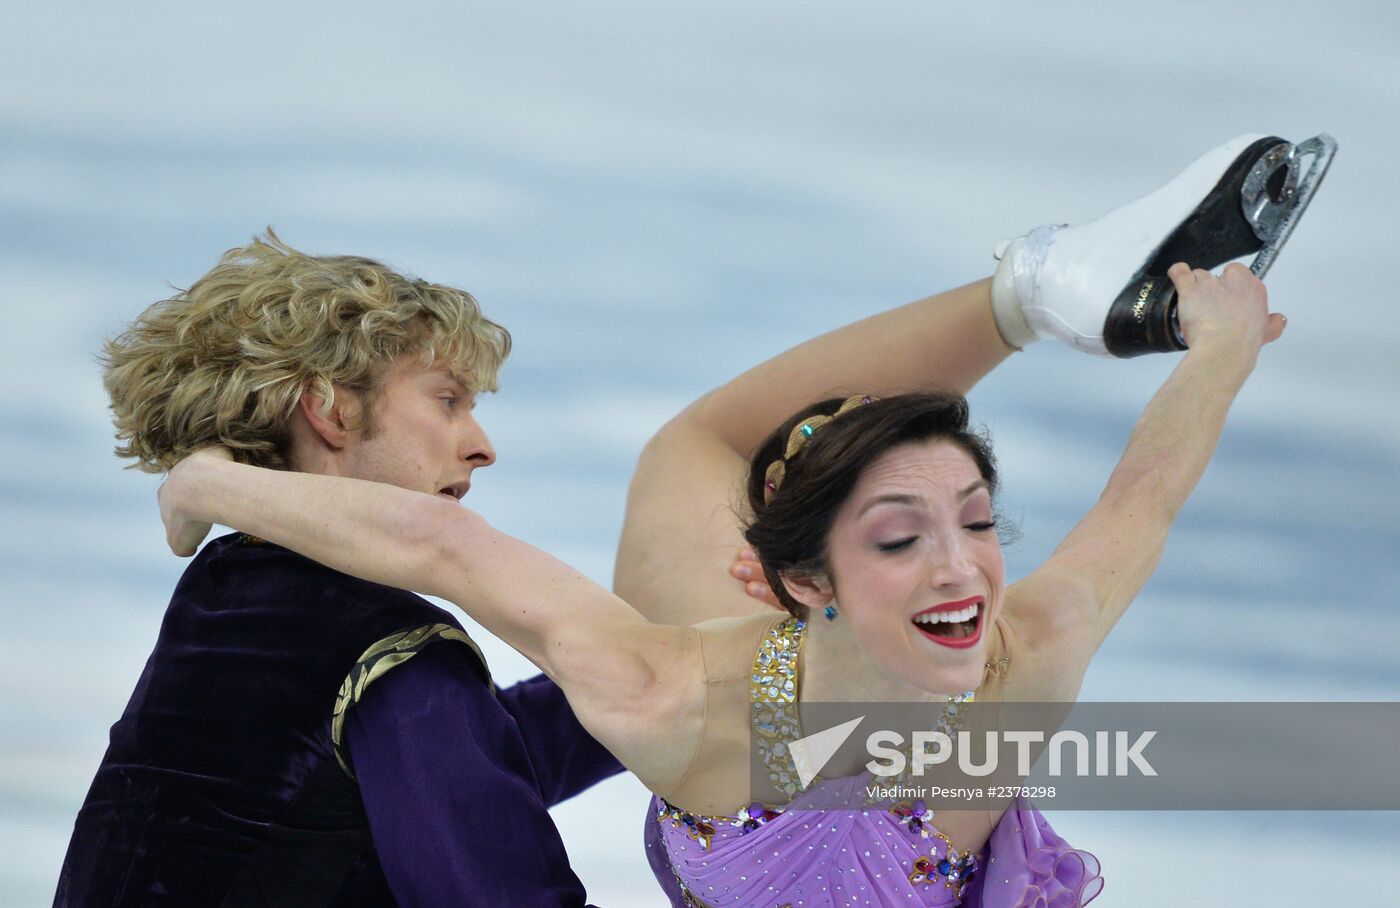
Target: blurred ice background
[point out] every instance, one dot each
(653, 197)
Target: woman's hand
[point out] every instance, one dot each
(182, 532)
(1230, 311)
(746, 567)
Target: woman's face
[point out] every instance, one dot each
(916, 566)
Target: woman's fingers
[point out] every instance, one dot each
(763, 593)
(1233, 305)
(1181, 274)
(746, 567)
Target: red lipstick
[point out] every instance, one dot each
(955, 642)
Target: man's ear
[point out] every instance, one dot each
(332, 424)
(815, 592)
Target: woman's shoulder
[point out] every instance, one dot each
(729, 645)
(717, 779)
(1040, 644)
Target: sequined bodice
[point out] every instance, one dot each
(773, 707)
(774, 855)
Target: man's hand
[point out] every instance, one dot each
(182, 533)
(747, 569)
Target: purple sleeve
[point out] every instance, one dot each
(454, 808)
(567, 759)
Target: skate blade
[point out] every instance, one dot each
(1274, 195)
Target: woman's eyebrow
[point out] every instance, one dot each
(889, 498)
(906, 498)
(979, 484)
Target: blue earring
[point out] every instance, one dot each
(830, 612)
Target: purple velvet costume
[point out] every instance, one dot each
(875, 857)
(301, 738)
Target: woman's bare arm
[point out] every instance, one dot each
(1062, 612)
(636, 686)
(681, 530)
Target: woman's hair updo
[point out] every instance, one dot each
(792, 517)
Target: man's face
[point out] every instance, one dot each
(423, 434)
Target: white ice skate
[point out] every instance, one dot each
(1102, 286)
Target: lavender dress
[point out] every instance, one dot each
(809, 857)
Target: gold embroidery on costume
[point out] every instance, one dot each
(381, 656)
(773, 702)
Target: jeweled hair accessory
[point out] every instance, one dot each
(797, 440)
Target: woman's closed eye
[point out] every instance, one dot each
(981, 526)
(896, 545)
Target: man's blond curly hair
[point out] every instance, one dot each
(225, 362)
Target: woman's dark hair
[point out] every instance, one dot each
(789, 530)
